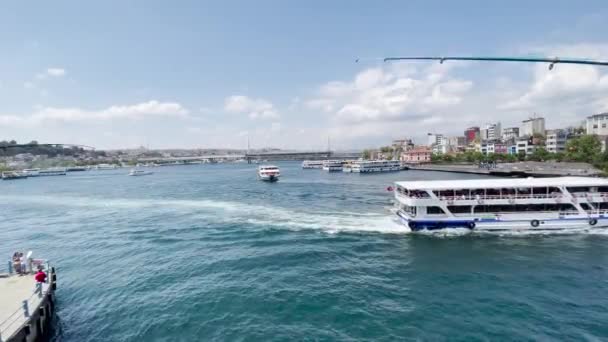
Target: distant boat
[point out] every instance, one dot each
(76, 168)
(135, 172)
(312, 164)
(54, 171)
(10, 175)
(32, 172)
(332, 165)
(269, 173)
(106, 167)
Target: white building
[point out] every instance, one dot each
(490, 132)
(510, 133)
(597, 124)
(524, 146)
(556, 140)
(532, 126)
(435, 139)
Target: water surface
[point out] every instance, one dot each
(206, 252)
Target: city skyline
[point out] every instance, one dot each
(117, 75)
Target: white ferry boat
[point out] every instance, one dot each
(269, 173)
(54, 171)
(11, 175)
(32, 172)
(504, 204)
(135, 172)
(106, 167)
(312, 164)
(366, 166)
(332, 165)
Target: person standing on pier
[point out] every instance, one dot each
(40, 276)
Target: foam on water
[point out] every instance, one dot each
(234, 212)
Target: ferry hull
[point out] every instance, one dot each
(508, 225)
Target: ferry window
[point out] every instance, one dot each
(419, 194)
(603, 205)
(460, 209)
(444, 193)
(602, 189)
(554, 190)
(460, 193)
(492, 192)
(434, 210)
(480, 192)
(575, 189)
(523, 191)
(507, 192)
(586, 206)
(539, 191)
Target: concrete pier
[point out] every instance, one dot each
(521, 169)
(26, 307)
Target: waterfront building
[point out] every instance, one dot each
(403, 144)
(470, 134)
(510, 133)
(456, 141)
(512, 149)
(556, 140)
(490, 132)
(597, 124)
(533, 125)
(441, 149)
(435, 139)
(417, 155)
(493, 147)
(525, 146)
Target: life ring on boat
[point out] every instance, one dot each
(534, 223)
(471, 225)
(592, 222)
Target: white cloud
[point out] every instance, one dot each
(137, 111)
(388, 94)
(55, 72)
(254, 108)
(275, 127)
(51, 72)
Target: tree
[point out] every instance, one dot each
(386, 149)
(583, 149)
(366, 154)
(540, 154)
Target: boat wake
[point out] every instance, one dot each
(225, 212)
(222, 212)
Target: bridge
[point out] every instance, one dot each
(301, 155)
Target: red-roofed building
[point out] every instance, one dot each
(417, 155)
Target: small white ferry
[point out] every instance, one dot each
(106, 167)
(269, 173)
(312, 164)
(135, 172)
(332, 165)
(11, 175)
(504, 204)
(367, 166)
(31, 172)
(54, 171)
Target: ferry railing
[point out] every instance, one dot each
(22, 312)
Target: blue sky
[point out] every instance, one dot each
(198, 74)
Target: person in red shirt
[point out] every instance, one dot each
(40, 276)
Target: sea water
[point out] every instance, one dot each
(207, 252)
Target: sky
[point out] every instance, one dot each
(197, 74)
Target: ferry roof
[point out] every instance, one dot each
(494, 183)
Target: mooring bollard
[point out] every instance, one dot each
(26, 310)
(10, 270)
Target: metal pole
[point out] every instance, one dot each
(26, 311)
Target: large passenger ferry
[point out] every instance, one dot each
(504, 204)
(365, 166)
(312, 164)
(333, 165)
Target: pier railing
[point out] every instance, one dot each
(479, 197)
